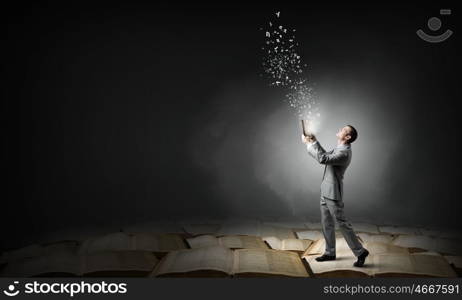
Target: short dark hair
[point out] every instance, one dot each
(353, 134)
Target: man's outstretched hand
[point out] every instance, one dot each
(308, 138)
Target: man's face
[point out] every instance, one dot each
(344, 133)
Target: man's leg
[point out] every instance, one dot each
(328, 228)
(336, 209)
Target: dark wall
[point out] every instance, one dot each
(125, 113)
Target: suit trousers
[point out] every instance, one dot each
(331, 212)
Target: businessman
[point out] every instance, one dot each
(336, 162)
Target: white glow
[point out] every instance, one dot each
(313, 125)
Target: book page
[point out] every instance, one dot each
(314, 234)
(295, 244)
(157, 242)
(67, 263)
(117, 241)
(413, 264)
(443, 246)
(319, 246)
(433, 265)
(446, 233)
(414, 241)
(309, 235)
(202, 241)
(115, 261)
(381, 238)
(273, 242)
(39, 250)
(454, 260)
(380, 248)
(240, 228)
(269, 261)
(343, 262)
(279, 232)
(365, 227)
(242, 241)
(217, 258)
(399, 230)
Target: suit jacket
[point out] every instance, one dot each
(336, 163)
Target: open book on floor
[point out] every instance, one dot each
(384, 260)
(108, 264)
(157, 243)
(384, 265)
(295, 245)
(456, 262)
(395, 230)
(318, 246)
(417, 243)
(255, 229)
(313, 234)
(35, 250)
(229, 241)
(382, 238)
(365, 227)
(220, 261)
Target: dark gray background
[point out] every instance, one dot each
(131, 112)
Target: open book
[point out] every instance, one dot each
(384, 260)
(384, 265)
(382, 238)
(158, 243)
(35, 250)
(456, 262)
(295, 245)
(418, 243)
(365, 227)
(445, 233)
(391, 229)
(255, 229)
(221, 261)
(313, 234)
(107, 264)
(318, 247)
(229, 241)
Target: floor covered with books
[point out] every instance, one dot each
(235, 248)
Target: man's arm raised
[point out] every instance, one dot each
(337, 158)
(315, 150)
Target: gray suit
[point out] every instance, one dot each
(336, 163)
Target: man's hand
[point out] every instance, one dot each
(308, 138)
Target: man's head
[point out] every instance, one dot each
(347, 134)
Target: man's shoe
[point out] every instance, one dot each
(361, 259)
(325, 257)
